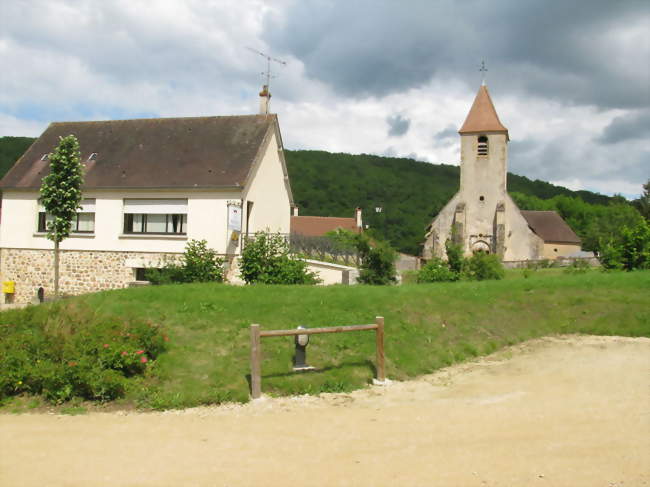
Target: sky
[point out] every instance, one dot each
(570, 79)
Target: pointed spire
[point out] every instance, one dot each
(482, 117)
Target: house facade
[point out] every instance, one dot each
(481, 216)
(151, 185)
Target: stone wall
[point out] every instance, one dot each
(80, 271)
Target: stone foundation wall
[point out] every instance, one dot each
(80, 271)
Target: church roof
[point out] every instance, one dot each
(482, 117)
(550, 227)
(193, 152)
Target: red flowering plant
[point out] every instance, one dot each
(74, 354)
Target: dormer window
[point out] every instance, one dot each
(482, 146)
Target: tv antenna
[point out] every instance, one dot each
(269, 58)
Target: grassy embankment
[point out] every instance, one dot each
(427, 327)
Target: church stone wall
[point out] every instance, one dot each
(80, 271)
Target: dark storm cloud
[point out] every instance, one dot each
(574, 51)
(397, 125)
(627, 127)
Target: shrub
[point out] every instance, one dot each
(436, 270)
(198, 264)
(266, 260)
(86, 358)
(455, 258)
(577, 266)
(377, 262)
(482, 266)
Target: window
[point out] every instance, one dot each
(82, 222)
(483, 145)
(92, 157)
(481, 198)
(155, 216)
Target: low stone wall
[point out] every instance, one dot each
(559, 262)
(80, 271)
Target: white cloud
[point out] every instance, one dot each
(128, 58)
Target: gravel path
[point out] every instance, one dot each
(568, 411)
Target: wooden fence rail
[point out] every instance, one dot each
(256, 347)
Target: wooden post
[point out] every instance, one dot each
(379, 333)
(256, 362)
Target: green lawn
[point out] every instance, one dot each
(427, 327)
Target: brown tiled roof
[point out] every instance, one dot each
(315, 226)
(153, 153)
(550, 226)
(482, 117)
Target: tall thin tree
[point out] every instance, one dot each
(61, 194)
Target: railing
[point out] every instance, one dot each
(256, 347)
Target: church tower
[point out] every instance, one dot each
(481, 216)
(479, 220)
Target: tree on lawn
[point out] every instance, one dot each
(61, 194)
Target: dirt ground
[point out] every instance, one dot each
(568, 411)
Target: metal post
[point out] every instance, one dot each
(256, 362)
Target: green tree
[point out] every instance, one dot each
(643, 203)
(377, 261)
(61, 194)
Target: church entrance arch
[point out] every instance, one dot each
(480, 246)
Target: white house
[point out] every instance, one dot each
(150, 186)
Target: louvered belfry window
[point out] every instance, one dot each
(482, 145)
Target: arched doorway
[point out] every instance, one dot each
(480, 246)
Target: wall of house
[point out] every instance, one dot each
(80, 271)
(269, 193)
(555, 250)
(207, 214)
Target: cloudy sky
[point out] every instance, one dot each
(569, 78)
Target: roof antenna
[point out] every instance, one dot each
(266, 93)
(483, 70)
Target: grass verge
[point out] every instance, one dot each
(428, 326)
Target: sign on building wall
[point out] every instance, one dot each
(234, 216)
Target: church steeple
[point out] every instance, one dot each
(482, 117)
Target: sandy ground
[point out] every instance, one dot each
(570, 411)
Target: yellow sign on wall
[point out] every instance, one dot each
(8, 287)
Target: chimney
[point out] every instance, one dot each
(357, 215)
(265, 100)
(294, 211)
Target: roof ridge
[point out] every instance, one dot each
(154, 119)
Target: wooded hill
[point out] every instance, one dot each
(410, 193)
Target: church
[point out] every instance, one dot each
(481, 216)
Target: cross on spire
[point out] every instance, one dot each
(483, 70)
